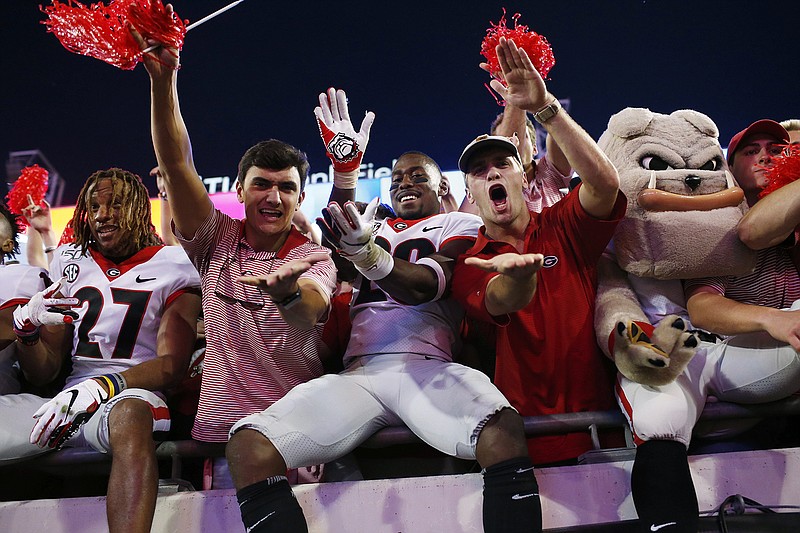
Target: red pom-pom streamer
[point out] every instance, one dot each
(101, 31)
(784, 170)
(67, 236)
(32, 182)
(535, 45)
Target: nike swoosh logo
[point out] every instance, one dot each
(140, 279)
(656, 528)
(431, 228)
(251, 528)
(523, 470)
(74, 394)
(523, 496)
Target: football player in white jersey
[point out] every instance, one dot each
(20, 282)
(130, 333)
(399, 365)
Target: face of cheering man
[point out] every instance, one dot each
(752, 158)
(270, 199)
(106, 212)
(415, 187)
(495, 181)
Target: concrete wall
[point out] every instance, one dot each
(447, 504)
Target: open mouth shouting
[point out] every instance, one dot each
(499, 196)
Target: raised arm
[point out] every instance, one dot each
(344, 145)
(527, 90)
(772, 219)
(165, 225)
(189, 200)
(514, 122)
(42, 240)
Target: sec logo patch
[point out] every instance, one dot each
(71, 272)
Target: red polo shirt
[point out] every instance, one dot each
(548, 361)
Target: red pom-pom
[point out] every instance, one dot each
(535, 45)
(32, 182)
(67, 236)
(101, 31)
(784, 170)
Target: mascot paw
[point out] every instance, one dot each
(652, 355)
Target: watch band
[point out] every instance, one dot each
(547, 112)
(291, 300)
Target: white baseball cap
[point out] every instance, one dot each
(486, 141)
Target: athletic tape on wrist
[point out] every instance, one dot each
(345, 180)
(377, 265)
(442, 282)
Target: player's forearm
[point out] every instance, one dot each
(177, 334)
(161, 373)
(340, 196)
(772, 219)
(410, 283)
(41, 362)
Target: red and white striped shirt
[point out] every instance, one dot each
(774, 283)
(545, 187)
(253, 357)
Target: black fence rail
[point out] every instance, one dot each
(590, 421)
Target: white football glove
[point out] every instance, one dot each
(59, 419)
(351, 233)
(39, 309)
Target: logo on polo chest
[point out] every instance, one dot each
(550, 261)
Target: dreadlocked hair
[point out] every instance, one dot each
(134, 212)
(13, 222)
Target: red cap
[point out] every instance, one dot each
(765, 126)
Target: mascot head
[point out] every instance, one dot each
(683, 203)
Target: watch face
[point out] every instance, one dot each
(547, 113)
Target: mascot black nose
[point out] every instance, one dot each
(692, 182)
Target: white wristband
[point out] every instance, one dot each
(378, 265)
(432, 263)
(345, 180)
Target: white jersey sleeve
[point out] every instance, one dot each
(20, 282)
(383, 325)
(121, 304)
